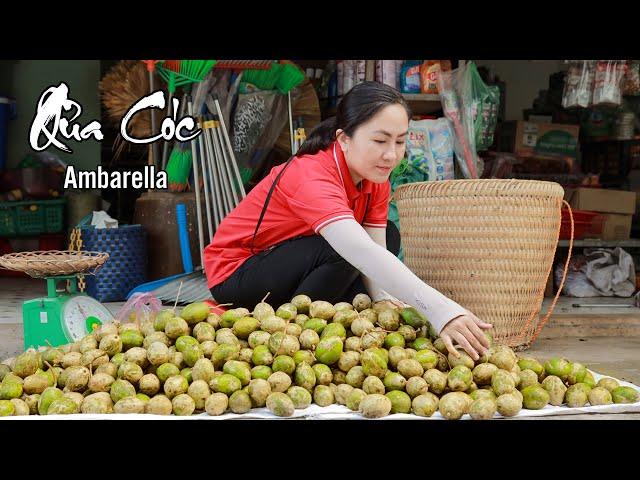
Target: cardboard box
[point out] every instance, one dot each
(602, 200)
(541, 139)
(616, 227)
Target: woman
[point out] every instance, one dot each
(317, 225)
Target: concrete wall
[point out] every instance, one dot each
(25, 80)
(524, 78)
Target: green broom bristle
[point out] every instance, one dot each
(179, 167)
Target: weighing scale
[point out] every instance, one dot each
(65, 315)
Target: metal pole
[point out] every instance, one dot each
(229, 148)
(196, 180)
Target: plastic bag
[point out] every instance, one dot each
(607, 88)
(251, 118)
(141, 307)
(430, 148)
(578, 84)
(456, 97)
(485, 101)
(429, 74)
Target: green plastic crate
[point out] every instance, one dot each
(31, 217)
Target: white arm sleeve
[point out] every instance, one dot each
(375, 262)
(378, 235)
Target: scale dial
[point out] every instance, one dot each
(75, 312)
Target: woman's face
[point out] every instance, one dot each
(376, 146)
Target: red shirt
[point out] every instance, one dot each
(313, 192)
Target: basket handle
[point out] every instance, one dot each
(555, 300)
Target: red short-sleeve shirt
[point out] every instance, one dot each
(313, 192)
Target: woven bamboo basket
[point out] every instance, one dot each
(487, 244)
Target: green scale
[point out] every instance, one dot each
(65, 315)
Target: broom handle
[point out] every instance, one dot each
(219, 148)
(293, 147)
(165, 148)
(229, 148)
(218, 208)
(205, 181)
(196, 181)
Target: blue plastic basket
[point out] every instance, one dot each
(127, 264)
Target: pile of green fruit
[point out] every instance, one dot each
(376, 359)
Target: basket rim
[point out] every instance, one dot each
(535, 184)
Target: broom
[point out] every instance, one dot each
(180, 161)
(177, 73)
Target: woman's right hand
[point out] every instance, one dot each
(466, 331)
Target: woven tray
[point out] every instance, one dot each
(54, 262)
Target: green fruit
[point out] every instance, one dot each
(10, 388)
(502, 382)
(35, 384)
(130, 339)
(52, 356)
(282, 344)
(439, 345)
(143, 397)
(425, 405)
(375, 406)
(216, 404)
(203, 370)
(261, 371)
(62, 406)
(224, 353)
(459, 378)
(410, 368)
(301, 319)
(483, 373)
(175, 328)
(373, 363)
(321, 309)
(167, 370)
(259, 390)
(259, 338)
(245, 327)
(360, 326)
(304, 356)
(556, 389)
(334, 330)
(412, 317)
(7, 408)
(588, 379)
(279, 382)
(183, 405)
(600, 396)
(225, 336)
(527, 378)
(624, 395)
(121, 389)
(239, 370)
(323, 396)
(204, 332)
(396, 355)
(195, 312)
(394, 381)
(373, 385)
(408, 332)
(576, 373)
(342, 392)
(309, 339)
(4, 370)
(531, 364)
(389, 319)
(416, 386)
(345, 317)
(302, 303)
(355, 377)
(576, 396)
(262, 356)
(463, 359)
(228, 318)
(427, 358)
(502, 357)
(262, 310)
(288, 311)
(482, 393)
(162, 317)
(301, 397)
(329, 350)
(361, 302)
(422, 344)
(47, 398)
(26, 364)
(535, 397)
(354, 399)
(128, 371)
(227, 384)
(323, 374)
(454, 405)
(305, 377)
(240, 402)
(280, 404)
(394, 340)
(149, 384)
(315, 324)
(558, 367)
(284, 363)
(186, 374)
(192, 354)
(608, 383)
(483, 409)
(509, 404)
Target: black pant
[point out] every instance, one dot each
(307, 265)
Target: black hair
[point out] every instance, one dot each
(357, 106)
